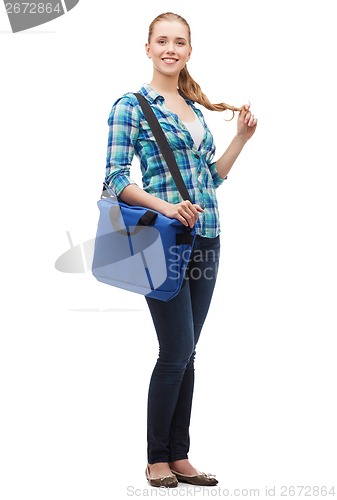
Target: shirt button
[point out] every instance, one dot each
(196, 155)
(200, 190)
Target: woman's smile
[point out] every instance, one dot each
(169, 60)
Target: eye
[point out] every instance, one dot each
(161, 42)
(181, 43)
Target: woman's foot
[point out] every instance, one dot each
(159, 469)
(160, 475)
(186, 473)
(184, 467)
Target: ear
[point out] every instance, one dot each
(189, 55)
(147, 50)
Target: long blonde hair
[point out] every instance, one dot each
(187, 85)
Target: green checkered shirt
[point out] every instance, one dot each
(130, 134)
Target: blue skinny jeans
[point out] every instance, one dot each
(178, 324)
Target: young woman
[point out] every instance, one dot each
(178, 322)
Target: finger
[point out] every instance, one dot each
(242, 112)
(245, 107)
(188, 216)
(242, 116)
(188, 208)
(185, 216)
(247, 117)
(188, 205)
(252, 122)
(182, 219)
(188, 222)
(195, 217)
(191, 218)
(191, 211)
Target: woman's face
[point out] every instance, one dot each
(169, 47)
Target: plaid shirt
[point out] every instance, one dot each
(129, 134)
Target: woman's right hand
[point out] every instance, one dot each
(185, 211)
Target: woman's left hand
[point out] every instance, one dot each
(246, 124)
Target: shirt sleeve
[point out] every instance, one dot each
(217, 180)
(123, 132)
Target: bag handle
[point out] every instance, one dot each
(163, 146)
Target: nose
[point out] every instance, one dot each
(170, 48)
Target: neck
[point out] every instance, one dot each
(164, 84)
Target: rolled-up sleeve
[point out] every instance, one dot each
(123, 132)
(210, 152)
(217, 180)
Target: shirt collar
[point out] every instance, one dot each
(151, 95)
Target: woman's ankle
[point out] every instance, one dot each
(160, 469)
(183, 466)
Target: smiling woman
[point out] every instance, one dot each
(172, 93)
(180, 41)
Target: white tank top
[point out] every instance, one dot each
(196, 130)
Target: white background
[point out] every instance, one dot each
(76, 355)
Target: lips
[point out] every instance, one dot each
(169, 60)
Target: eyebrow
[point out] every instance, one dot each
(177, 38)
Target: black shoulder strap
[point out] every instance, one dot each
(163, 146)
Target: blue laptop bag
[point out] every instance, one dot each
(140, 250)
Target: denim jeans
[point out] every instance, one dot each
(178, 324)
